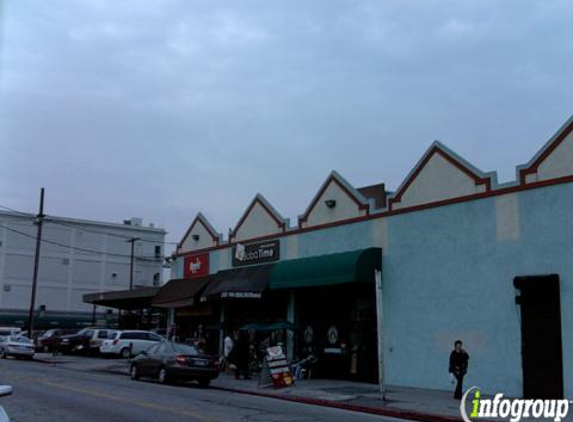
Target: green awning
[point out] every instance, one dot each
(340, 268)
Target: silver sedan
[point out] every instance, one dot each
(16, 346)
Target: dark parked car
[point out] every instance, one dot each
(167, 361)
(85, 341)
(48, 341)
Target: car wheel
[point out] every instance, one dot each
(134, 372)
(3, 354)
(162, 376)
(125, 353)
(204, 383)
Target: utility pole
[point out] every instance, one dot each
(39, 221)
(132, 241)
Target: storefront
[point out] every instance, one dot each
(334, 306)
(460, 255)
(246, 303)
(189, 319)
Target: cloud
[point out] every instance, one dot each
(163, 108)
(456, 28)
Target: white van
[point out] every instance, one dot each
(129, 343)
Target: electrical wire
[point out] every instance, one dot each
(140, 258)
(53, 220)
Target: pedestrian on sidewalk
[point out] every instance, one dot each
(459, 367)
(228, 345)
(241, 355)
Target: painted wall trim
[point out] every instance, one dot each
(545, 151)
(405, 210)
(269, 209)
(352, 193)
(479, 177)
(200, 218)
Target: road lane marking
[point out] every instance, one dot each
(147, 405)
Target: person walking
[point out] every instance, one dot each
(241, 355)
(228, 345)
(458, 366)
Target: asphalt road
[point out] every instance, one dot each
(43, 392)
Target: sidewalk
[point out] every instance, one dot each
(405, 403)
(401, 402)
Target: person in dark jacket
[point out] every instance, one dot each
(459, 366)
(241, 355)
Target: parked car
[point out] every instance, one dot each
(85, 341)
(129, 343)
(48, 342)
(17, 346)
(5, 390)
(168, 361)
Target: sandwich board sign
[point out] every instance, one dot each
(276, 367)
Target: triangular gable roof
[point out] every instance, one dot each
(271, 211)
(545, 151)
(335, 177)
(456, 160)
(200, 218)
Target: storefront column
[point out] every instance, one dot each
(170, 323)
(291, 317)
(379, 314)
(222, 330)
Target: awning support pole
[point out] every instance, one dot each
(290, 318)
(222, 319)
(379, 315)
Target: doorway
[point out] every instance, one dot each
(541, 345)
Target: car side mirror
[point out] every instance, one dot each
(5, 390)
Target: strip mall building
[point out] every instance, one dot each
(461, 257)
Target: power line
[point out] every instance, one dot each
(141, 258)
(78, 227)
(27, 214)
(53, 220)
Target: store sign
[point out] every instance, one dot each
(256, 253)
(196, 265)
(308, 335)
(278, 367)
(241, 295)
(332, 335)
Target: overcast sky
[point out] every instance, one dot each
(163, 108)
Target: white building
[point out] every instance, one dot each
(77, 257)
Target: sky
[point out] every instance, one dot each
(163, 108)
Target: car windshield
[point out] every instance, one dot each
(184, 349)
(20, 339)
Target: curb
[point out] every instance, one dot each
(393, 413)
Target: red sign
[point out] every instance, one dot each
(196, 265)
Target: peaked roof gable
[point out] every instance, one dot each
(549, 148)
(200, 219)
(437, 148)
(259, 199)
(351, 192)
